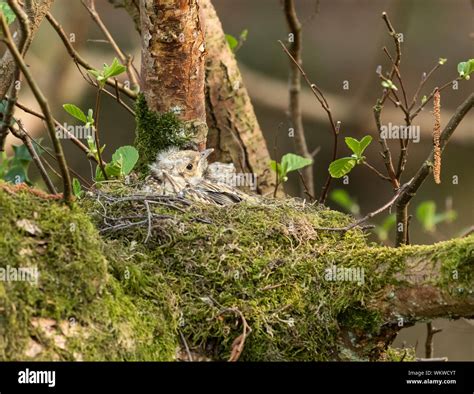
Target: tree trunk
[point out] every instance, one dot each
(233, 128)
(234, 131)
(173, 52)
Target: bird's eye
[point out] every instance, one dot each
(189, 167)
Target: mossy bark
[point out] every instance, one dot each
(173, 62)
(113, 297)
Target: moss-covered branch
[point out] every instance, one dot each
(130, 301)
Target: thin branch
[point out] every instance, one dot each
(322, 100)
(431, 95)
(96, 133)
(384, 177)
(370, 215)
(431, 332)
(79, 59)
(399, 77)
(44, 107)
(306, 189)
(295, 90)
(45, 150)
(425, 169)
(126, 60)
(239, 342)
(424, 78)
(71, 136)
(377, 110)
(34, 155)
(386, 154)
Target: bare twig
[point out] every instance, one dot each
(34, 155)
(78, 59)
(431, 95)
(306, 189)
(384, 177)
(370, 215)
(424, 78)
(96, 133)
(126, 60)
(188, 352)
(149, 218)
(44, 107)
(294, 87)
(239, 342)
(71, 136)
(43, 148)
(431, 332)
(322, 100)
(425, 169)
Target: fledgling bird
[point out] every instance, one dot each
(187, 173)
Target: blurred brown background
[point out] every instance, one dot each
(342, 42)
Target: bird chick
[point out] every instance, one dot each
(220, 172)
(185, 173)
(181, 163)
(174, 168)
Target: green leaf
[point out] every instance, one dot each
(232, 41)
(128, 156)
(291, 162)
(343, 199)
(353, 145)
(341, 167)
(424, 99)
(389, 84)
(90, 118)
(22, 155)
(114, 169)
(364, 143)
(358, 147)
(382, 230)
(77, 188)
(448, 217)
(4, 164)
(114, 69)
(466, 68)
(389, 222)
(7, 12)
(76, 112)
(243, 35)
(425, 213)
(442, 60)
(17, 174)
(95, 73)
(275, 166)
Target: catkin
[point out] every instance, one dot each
(436, 136)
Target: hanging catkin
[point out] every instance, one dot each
(436, 136)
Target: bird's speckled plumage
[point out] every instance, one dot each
(187, 173)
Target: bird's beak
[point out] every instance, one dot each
(205, 153)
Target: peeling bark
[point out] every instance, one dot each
(173, 52)
(36, 11)
(234, 131)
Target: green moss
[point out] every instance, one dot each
(156, 132)
(82, 306)
(397, 355)
(267, 261)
